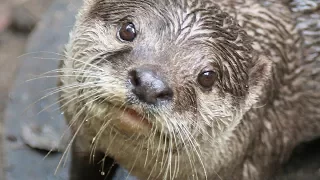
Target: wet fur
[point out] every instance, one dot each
(262, 106)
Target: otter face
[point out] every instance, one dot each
(161, 69)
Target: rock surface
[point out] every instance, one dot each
(26, 105)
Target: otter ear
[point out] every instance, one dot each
(260, 71)
(259, 75)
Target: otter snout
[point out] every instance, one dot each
(149, 86)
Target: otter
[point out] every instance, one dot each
(187, 89)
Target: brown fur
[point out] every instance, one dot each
(263, 104)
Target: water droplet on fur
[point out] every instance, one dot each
(103, 173)
(93, 140)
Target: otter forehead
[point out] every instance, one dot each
(178, 21)
(172, 15)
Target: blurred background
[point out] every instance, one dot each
(22, 154)
(17, 20)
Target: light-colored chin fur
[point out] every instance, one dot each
(150, 160)
(200, 158)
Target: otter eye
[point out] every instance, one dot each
(127, 32)
(207, 79)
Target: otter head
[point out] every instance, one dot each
(162, 69)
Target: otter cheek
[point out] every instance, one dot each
(130, 123)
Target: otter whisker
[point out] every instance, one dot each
(76, 117)
(170, 153)
(96, 139)
(102, 129)
(135, 161)
(71, 59)
(55, 76)
(54, 92)
(170, 157)
(176, 163)
(189, 154)
(198, 152)
(195, 175)
(38, 52)
(64, 104)
(150, 146)
(63, 134)
(72, 139)
(158, 149)
(167, 159)
(148, 141)
(70, 71)
(163, 153)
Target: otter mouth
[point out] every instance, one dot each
(131, 122)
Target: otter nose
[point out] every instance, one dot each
(148, 86)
